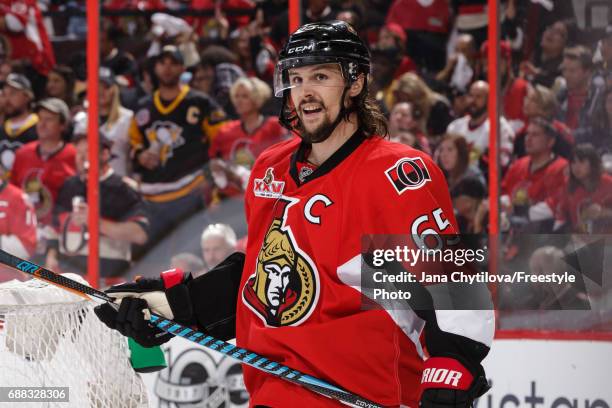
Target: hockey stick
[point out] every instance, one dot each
(243, 355)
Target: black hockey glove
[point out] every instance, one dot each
(130, 321)
(447, 383)
(167, 296)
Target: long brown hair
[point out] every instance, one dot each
(463, 155)
(370, 118)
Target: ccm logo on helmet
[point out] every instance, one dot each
(301, 48)
(441, 376)
(409, 173)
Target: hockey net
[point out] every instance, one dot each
(51, 338)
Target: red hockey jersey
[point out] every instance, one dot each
(569, 207)
(17, 221)
(300, 302)
(234, 144)
(26, 37)
(42, 179)
(526, 187)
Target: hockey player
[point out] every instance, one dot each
(295, 297)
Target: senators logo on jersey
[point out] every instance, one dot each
(409, 173)
(283, 291)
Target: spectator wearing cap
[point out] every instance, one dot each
(586, 205)
(19, 127)
(546, 66)
(169, 140)
(115, 122)
(60, 84)
(475, 126)
(533, 180)
(453, 157)
(541, 102)
(392, 38)
(579, 96)
(123, 219)
(42, 166)
(240, 142)
(513, 90)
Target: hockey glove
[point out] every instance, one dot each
(130, 321)
(167, 296)
(447, 383)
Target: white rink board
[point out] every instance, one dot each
(549, 373)
(525, 373)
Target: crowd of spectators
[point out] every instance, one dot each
(186, 107)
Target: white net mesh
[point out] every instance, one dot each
(51, 338)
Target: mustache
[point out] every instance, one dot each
(311, 100)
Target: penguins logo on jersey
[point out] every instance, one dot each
(409, 173)
(284, 289)
(168, 136)
(197, 377)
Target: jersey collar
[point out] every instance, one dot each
(328, 165)
(164, 110)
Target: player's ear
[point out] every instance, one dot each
(357, 86)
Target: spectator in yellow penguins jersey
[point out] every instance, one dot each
(169, 138)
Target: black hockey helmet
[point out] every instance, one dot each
(320, 43)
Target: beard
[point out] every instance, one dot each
(14, 112)
(476, 111)
(321, 132)
(169, 82)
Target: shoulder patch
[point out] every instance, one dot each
(142, 117)
(408, 173)
(267, 187)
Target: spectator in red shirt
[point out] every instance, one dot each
(392, 37)
(240, 142)
(23, 34)
(17, 220)
(427, 25)
(513, 90)
(42, 166)
(586, 205)
(538, 177)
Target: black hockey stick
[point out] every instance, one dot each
(243, 355)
